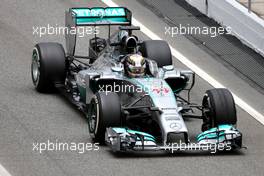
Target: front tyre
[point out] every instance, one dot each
(104, 111)
(219, 108)
(48, 66)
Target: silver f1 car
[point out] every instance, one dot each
(129, 90)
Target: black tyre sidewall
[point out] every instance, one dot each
(157, 50)
(222, 107)
(109, 114)
(52, 65)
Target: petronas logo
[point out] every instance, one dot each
(100, 12)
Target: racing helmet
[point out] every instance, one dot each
(135, 65)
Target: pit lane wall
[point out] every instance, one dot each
(248, 27)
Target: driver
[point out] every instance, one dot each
(135, 65)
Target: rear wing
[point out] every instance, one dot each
(96, 16)
(100, 16)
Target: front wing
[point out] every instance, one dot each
(224, 137)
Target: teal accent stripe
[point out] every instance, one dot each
(147, 136)
(100, 20)
(100, 15)
(212, 133)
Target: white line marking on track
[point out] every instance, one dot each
(3, 171)
(213, 82)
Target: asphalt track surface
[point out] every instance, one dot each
(27, 117)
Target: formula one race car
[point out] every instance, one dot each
(129, 90)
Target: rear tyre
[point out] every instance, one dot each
(219, 108)
(157, 50)
(104, 111)
(48, 66)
